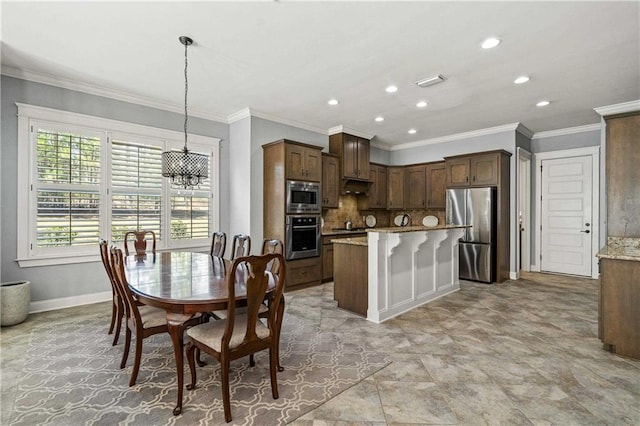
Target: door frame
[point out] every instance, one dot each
(594, 152)
(523, 164)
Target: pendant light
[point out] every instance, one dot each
(185, 168)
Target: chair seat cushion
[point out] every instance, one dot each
(152, 317)
(211, 332)
(222, 314)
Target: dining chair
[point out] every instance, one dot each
(139, 242)
(241, 246)
(240, 335)
(117, 307)
(272, 246)
(218, 244)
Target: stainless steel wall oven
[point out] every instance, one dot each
(303, 235)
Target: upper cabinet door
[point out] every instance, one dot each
(415, 187)
(313, 164)
(457, 172)
(484, 170)
(395, 188)
(330, 182)
(436, 185)
(350, 157)
(363, 159)
(294, 166)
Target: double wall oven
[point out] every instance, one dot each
(303, 222)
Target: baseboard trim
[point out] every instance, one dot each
(68, 302)
(514, 275)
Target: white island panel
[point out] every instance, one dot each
(410, 267)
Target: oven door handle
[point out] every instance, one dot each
(305, 227)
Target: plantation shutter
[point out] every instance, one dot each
(190, 211)
(136, 181)
(67, 186)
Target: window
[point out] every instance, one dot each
(85, 178)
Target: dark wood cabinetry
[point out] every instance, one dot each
(395, 188)
(489, 168)
(436, 185)
(376, 197)
(330, 181)
(303, 162)
(473, 170)
(289, 160)
(619, 306)
(623, 175)
(350, 283)
(415, 183)
(354, 152)
(327, 252)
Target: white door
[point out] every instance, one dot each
(567, 225)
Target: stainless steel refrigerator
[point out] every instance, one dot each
(475, 207)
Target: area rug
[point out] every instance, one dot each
(72, 377)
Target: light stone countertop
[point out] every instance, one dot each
(620, 248)
(357, 241)
(399, 229)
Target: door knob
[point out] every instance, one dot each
(586, 232)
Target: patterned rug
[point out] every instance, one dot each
(72, 377)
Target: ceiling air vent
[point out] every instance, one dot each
(430, 81)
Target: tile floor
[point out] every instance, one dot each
(521, 352)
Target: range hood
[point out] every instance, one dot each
(351, 186)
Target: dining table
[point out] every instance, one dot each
(184, 284)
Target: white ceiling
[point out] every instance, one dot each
(286, 59)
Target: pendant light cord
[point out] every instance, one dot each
(186, 89)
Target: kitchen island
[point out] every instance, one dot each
(406, 267)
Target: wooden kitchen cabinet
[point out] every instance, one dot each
(415, 183)
(354, 152)
(377, 195)
(303, 272)
(436, 185)
(327, 252)
(481, 169)
(395, 188)
(303, 162)
(330, 181)
(619, 307)
(350, 284)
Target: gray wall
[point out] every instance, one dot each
(571, 141)
(381, 156)
(52, 282)
(262, 132)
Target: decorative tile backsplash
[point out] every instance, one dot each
(348, 210)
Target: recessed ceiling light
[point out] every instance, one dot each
(542, 103)
(412, 131)
(391, 89)
(379, 118)
(521, 79)
(333, 102)
(491, 42)
(422, 104)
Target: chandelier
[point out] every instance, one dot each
(185, 168)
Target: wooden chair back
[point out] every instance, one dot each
(117, 304)
(270, 246)
(130, 303)
(218, 244)
(241, 246)
(139, 242)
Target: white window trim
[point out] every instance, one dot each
(26, 160)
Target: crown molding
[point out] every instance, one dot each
(343, 129)
(567, 131)
(250, 112)
(524, 130)
(90, 89)
(380, 145)
(618, 108)
(465, 135)
(239, 115)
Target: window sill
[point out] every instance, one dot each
(85, 258)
